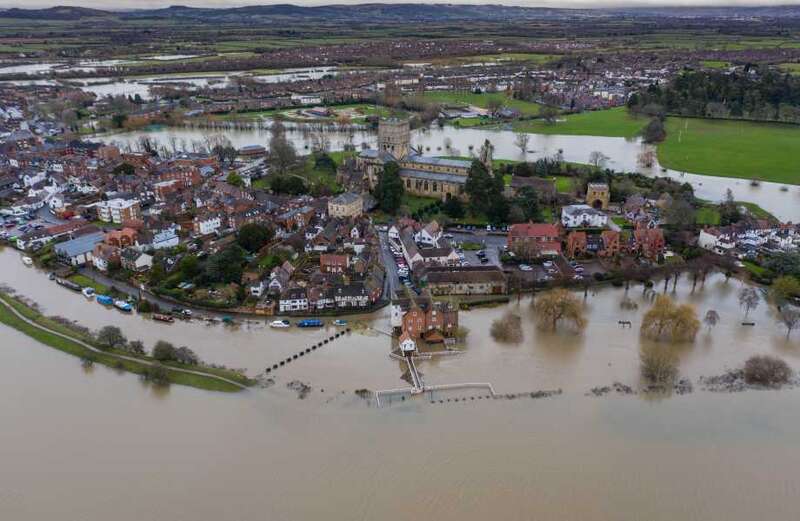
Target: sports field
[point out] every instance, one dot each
(614, 122)
(765, 151)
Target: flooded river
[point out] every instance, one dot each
(623, 154)
(98, 445)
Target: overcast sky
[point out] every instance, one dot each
(141, 4)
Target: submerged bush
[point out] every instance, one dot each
(507, 328)
(658, 365)
(766, 370)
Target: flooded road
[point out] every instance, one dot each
(780, 200)
(96, 445)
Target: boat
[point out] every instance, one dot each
(228, 321)
(340, 322)
(123, 306)
(162, 318)
(68, 284)
(88, 292)
(105, 300)
(27, 261)
(310, 322)
(280, 323)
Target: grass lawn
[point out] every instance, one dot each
(620, 221)
(793, 68)
(527, 108)
(563, 184)
(614, 122)
(743, 149)
(716, 64)
(415, 202)
(707, 215)
(754, 268)
(84, 281)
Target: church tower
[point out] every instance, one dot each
(394, 137)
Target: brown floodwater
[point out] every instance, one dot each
(98, 444)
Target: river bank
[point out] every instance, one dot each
(26, 319)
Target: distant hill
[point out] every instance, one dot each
(388, 13)
(56, 13)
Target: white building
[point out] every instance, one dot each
(583, 216)
(429, 235)
(118, 210)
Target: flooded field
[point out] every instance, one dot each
(98, 444)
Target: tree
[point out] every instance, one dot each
(783, 288)
(111, 337)
(647, 158)
(668, 320)
(790, 318)
(124, 169)
(136, 347)
(118, 120)
(493, 105)
(282, 154)
(164, 351)
(156, 374)
(748, 299)
(558, 305)
(453, 207)
(253, 236)
(549, 114)
(729, 212)
(598, 159)
(680, 213)
(225, 266)
(527, 200)
(658, 365)
(508, 328)
(711, 319)
(389, 189)
(521, 140)
(186, 356)
(235, 179)
(654, 132)
(189, 266)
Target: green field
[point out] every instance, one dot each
(716, 64)
(743, 149)
(527, 108)
(614, 122)
(792, 68)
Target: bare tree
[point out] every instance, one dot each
(521, 140)
(748, 299)
(557, 305)
(598, 159)
(711, 319)
(790, 318)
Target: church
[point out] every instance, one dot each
(422, 175)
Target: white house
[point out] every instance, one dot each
(207, 225)
(407, 344)
(583, 216)
(294, 299)
(429, 235)
(167, 238)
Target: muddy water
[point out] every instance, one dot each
(623, 154)
(97, 445)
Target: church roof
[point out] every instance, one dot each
(439, 161)
(433, 176)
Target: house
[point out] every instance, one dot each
(426, 317)
(353, 295)
(78, 251)
(577, 244)
(429, 235)
(206, 224)
(103, 255)
(346, 205)
(406, 343)
(649, 242)
(465, 280)
(166, 238)
(536, 238)
(118, 210)
(582, 216)
(135, 260)
(598, 195)
(293, 300)
(611, 244)
(333, 263)
(321, 298)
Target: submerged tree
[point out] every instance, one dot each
(711, 318)
(559, 305)
(507, 328)
(790, 317)
(748, 299)
(111, 337)
(668, 320)
(658, 365)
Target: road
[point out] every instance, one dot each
(391, 282)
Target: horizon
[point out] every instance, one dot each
(130, 5)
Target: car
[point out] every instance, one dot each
(573, 263)
(525, 267)
(548, 264)
(578, 269)
(578, 277)
(484, 260)
(448, 236)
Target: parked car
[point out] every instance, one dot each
(525, 267)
